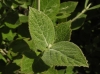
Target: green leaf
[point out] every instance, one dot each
(68, 7)
(50, 71)
(64, 54)
(78, 22)
(25, 64)
(61, 15)
(94, 7)
(19, 46)
(86, 3)
(62, 71)
(63, 31)
(23, 18)
(69, 70)
(41, 29)
(10, 35)
(50, 7)
(12, 22)
(1, 57)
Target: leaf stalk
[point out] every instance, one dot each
(83, 11)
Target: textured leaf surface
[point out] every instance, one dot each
(41, 29)
(64, 54)
(63, 31)
(68, 7)
(49, 7)
(25, 64)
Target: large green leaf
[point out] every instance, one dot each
(63, 31)
(25, 64)
(64, 54)
(49, 7)
(41, 29)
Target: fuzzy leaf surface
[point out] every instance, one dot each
(49, 7)
(64, 54)
(68, 7)
(41, 29)
(63, 31)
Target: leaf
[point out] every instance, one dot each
(94, 7)
(50, 71)
(50, 7)
(25, 64)
(86, 3)
(69, 70)
(78, 22)
(64, 54)
(61, 15)
(68, 7)
(12, 22)
(1, 57)
(39, 66)
(41, 29)
(63, 31)
(9, 36)
(19, 46)
(23, 18)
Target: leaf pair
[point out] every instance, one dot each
(62, 53)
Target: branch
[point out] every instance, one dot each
(83, 11)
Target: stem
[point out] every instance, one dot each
(83, 11)
(2, 52)
(38, 5)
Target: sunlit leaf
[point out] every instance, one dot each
(68, 7)
(64, 54)
(63, 31)
(41, 29)
(49, 7)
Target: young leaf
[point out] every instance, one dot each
(64, 54)
(1, 57)
(63, 31)
(94, 7)
(86, 3)
(41, 29)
